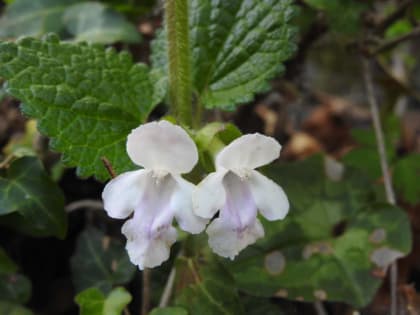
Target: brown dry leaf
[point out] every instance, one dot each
(300, 146)
(269, 117)
(329, 127)
(411, 131)
(11, 121)
(146, 28)
(410, 301)
(411, 262)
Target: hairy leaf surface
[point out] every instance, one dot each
(86, 98)
(236, 47)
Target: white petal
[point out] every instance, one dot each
(209, 195)
(181, 203)
(146, 251)
(162, 146)
(227, 242)
(150, 233)
(269, 197)
(122, 194)
(237, 225)
(249, 152)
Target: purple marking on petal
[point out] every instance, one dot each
(150, 233)
(240, 210)
(154, 212)
(237, 226)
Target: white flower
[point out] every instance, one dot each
(156, 193)
(237, 190)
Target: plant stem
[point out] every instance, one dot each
(108, 167)
(390, 195)
(145, 298)
(319, 308)
(167, 291)
(92, 204)
(400, 10)
(177, 29)
(389, 44)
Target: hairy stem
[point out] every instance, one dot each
(390, 195)
(180, 93)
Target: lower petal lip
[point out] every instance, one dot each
(237, 226)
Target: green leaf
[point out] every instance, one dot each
(15, 288)
(6, 264)
(100, 261)
(93, 302)
(85, 98)
(213, 292)
(406, 178)
(95, 22)
(33, 202)
(169, 311)
(7, 308)
(33, 17)
(236, 47)
(366, 157)
(134, 8)
(398, 28)
(348, 21)
(259, 306)
(333, 234)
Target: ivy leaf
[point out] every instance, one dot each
(169, 311)
(366, 156)
(14, 287)
(93, 302)
(258, 306)
(406, 178)
(33, 17)
(85, 98)
(332, 235)
(236, 47)
(213, 292)
(100, 262)
(95, 22)
(7, 308)
(6, 264)
(31, 201)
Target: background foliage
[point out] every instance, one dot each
(290, 69)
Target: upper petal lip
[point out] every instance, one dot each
(162, 146)
(249, 152)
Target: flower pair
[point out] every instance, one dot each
(157, 193)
